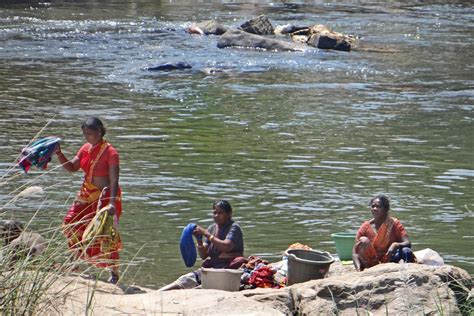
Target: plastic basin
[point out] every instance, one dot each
(221, 279)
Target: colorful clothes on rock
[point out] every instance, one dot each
(389, 232)
(253, 261)
(263, 277)
(94, 161)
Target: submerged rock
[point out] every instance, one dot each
(170, 66)
(323, 38)
(236, 38)
(288, 29)
(250, 35)
(209, 27)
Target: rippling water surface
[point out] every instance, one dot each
(297, 142)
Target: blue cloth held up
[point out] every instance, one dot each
(186, 245)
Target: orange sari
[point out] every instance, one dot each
(82, 212)
(376, 252)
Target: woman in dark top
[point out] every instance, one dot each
(224, 240)
(223, 247)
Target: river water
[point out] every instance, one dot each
(297, 142)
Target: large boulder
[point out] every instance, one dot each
(260, 25)
(393, 289)
(386, 289)
(237, 38)
(324, 38)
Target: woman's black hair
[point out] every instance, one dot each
(223, 204)
(95, 124)
(384, 201)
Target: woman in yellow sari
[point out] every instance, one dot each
(100, 163)
(381, 239)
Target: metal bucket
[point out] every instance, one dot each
(305, 265)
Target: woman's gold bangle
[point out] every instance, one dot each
(211, 238)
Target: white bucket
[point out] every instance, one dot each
(221, 279)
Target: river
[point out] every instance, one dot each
(297, 142)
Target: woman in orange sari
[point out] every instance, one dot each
(381, 239)
(100, 163)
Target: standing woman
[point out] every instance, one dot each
(100, 163)
(381, 239)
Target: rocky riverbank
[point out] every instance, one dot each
(386, 289)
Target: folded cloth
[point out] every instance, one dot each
(96, 226)
(38, 153)
(186, 245)
(101, 233)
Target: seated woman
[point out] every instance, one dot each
(382, 239)
(223, 247)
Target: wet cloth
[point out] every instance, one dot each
(189, 280)
(186, 245)
(79, 217)
(263, 277)
(253, 261)
(38, 153)
(86, 203)
(101, 236)
(389, 232)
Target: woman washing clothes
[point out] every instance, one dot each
(222, 247)
(381, 239)
(100, 163)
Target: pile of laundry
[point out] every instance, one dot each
(260, 273)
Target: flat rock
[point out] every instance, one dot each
(237, 38)
(393, 289)
(209, 27)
